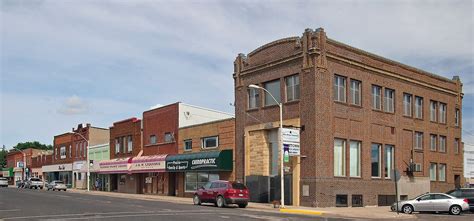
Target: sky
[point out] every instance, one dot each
(69, 62)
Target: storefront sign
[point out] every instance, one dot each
(148, 179)
(7, 172)
(155, 163)
(204, 161)
(291, 141)
(57, 168)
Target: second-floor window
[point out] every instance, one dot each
(188, 145)
(376, 97)
(130, 144)
(456, 117)
(168, 137)
(254, 98)
(389, 98)
(273, 87)
(456, 145)
(433, 142)
(292, 88)
(419, 140)
(356, 96)
(419, 107)
(210, 142)
(152, 139)
(117, 145)
(63, 152)
(407, 105)
(442, 144)
(339, 88)
(442, 113)
(433, 108)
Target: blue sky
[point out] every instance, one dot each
(67, 62)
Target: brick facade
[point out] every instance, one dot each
(129, 128)
(156, 123)
(317, 59)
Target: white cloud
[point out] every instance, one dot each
(74, 105)
(155, 106)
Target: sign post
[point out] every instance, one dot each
(396, 177)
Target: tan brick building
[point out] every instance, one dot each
(360, 116)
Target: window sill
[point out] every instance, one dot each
(419, 119)
(292, 102)
(339, 177)
(253, 109)
(355, 177)
(208, 148)
(377, 110)
(376, 178)
(356, 105)
(418, 150)
(270, 106)
(341, 102)
(188, 150)
(406, 116)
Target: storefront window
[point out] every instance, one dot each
(195, 180)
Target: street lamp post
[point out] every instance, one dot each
(280, 144)
(24, 162)
(87, 160)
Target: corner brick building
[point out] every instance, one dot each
(360, 117)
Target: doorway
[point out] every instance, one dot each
(113, 182)
(172, 184)
(457, 181)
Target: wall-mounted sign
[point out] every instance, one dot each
(148, 180)
(203, 161)
(291, 141)
(154, 163)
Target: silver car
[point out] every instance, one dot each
(3, 182)
(433, 202)
(56, 185)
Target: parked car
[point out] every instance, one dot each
(20, 183)
(56, 185)
(222, 193)
(433, 202)
(464, 193)
(3, 182)
(34, 183)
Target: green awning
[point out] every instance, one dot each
(202, 161)
(7, 172)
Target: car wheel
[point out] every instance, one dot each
(220, 202)
(64, 190)
(196, 200)
(243, 205)
(455, 210)
(408, 209)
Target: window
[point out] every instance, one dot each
(77, 150)
(63, 152)
(194, 180)
(341, 200)
(418, 140)
(389, 100)
(442, 172)
(456, 117)
(376, 97)
(117, 145)
(188, 145)
(433, 171)
(375, 156)
(388, 160)
(407, 105)
(339, 157)
(152, 139)
(433, 140)
(357, 201)
(292, 88)
(124, 142)
(456, 145)
(339, 88)
(274, 88)
(130, 144)
(210, 142)
(168, 137)
(254, 98)
(442, 113)
(433, 108)
(356, 96)
(354, 157)
(70, 151)
(442, 144)
(419, 107)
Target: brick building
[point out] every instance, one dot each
(21, 163)
(62, 159)
(161, 137)
(213, 140)
(360, 116)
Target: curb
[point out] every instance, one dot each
(302, 211)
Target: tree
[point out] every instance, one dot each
(3, 157)
(34, 145)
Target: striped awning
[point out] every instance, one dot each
(143, 164)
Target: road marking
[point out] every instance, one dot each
(136, 215)
(108, 213)
(9, 210)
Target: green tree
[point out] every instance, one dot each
(34, 145)
(3, 157)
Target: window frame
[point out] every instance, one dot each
(338, 96)
(153, 139)
(376, 88)
(62, 152)
(129, 143)
(442, 148)
(359, 148)
(387, 171)
(405, 103)
(442, 112)
(203, 141)
(443, 178)
(267, 95)
(255, 96)
(168, 137)
(190, 141)
(379, 162)
(456, 145)
(433, 111)
(294, 87)
(434, 177)
(342, 166)
(419, 107)
(435, 136)
(457, 113)
(386, 100)
(415, 146)
(353, 94)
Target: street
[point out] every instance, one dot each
(26, 204)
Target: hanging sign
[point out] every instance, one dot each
(291, 141)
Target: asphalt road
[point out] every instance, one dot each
(26, 204)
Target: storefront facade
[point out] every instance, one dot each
(8, 173)
(193, 170)
(62, 172)
(143, 174)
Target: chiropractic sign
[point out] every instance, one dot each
(204, 161)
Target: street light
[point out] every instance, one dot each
(24, 162)
(280, 144)
(87, 160)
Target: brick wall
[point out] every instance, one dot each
(157, 122)
(126, 128)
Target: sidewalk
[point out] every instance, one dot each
(353, 212)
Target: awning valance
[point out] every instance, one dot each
(143, 164)
(202, 161)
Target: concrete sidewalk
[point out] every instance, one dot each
(352, 212)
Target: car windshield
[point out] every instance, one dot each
(35, 179)
(1, 178)
(59, 182)
(239, 186)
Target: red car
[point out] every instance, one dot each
(222, 193)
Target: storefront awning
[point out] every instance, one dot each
(202, 161)
(7, 172)
(143, 164)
